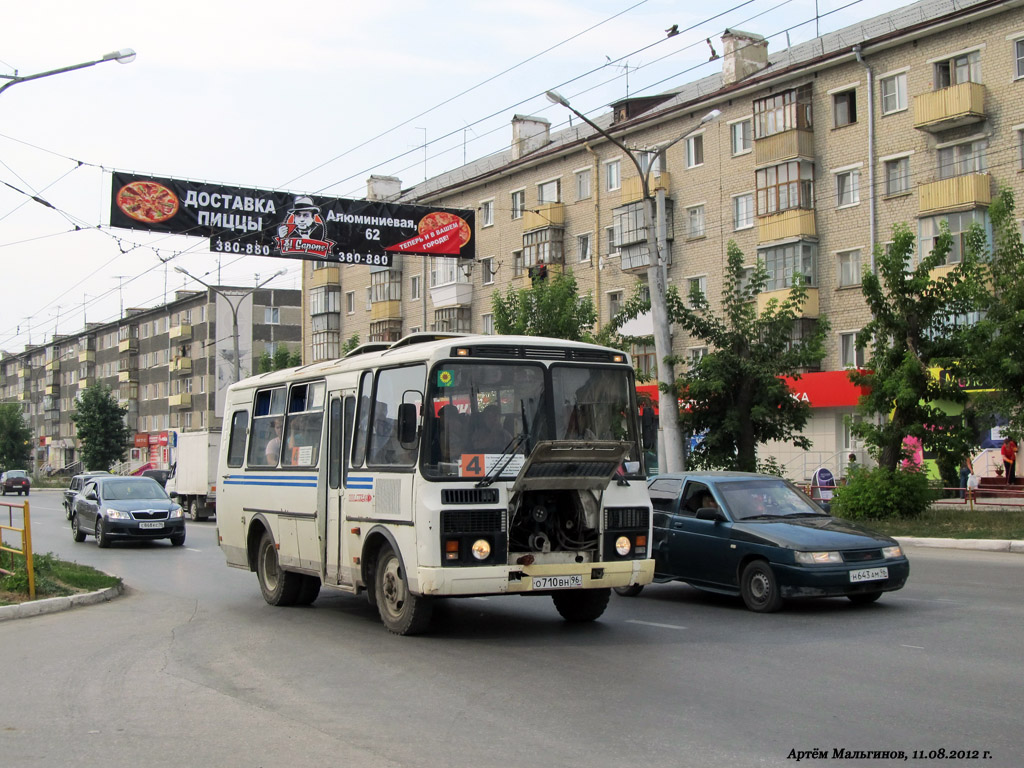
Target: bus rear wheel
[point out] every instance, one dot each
(279, 587)
(578, 605)
(402, 612)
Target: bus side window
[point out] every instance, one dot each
(394, 387)
(334, 443)
(350, 417)
(236, 442)
(267, 423)
(362, 420)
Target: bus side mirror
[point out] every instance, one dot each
(407, 424)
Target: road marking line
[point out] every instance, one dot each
(654, 624)
(193, 550)
(915, 647)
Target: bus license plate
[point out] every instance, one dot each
(869, 574)
(151, 525)
(557, 582)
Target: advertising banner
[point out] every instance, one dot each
(266, 223)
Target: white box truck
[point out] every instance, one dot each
(193, 479)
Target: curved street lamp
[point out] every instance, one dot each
(670, 438)
(123, 56)
(234, 306)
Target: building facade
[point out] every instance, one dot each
(169, 365)
(915, 116)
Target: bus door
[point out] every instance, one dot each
(340, 420)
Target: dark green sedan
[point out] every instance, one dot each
(759, 537)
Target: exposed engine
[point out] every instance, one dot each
(553, 521)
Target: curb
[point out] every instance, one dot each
(57, 604)
(982, 545)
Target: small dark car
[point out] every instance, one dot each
(160, 475)
(74, 486)
(115, 507)
(759, 537)
(15, 481)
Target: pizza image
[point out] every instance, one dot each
(147, 201)
(438, 219)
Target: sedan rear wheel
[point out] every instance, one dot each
(759, 589)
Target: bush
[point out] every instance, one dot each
(882, 494)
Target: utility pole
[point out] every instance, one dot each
(670, 438)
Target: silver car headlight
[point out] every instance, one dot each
(890, 552)
(116, 514)
(175, 513)
(818, 558)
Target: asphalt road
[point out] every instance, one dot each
(192, 668)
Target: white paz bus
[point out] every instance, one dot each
(439, 466)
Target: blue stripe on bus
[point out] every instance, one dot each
(362, 483)
(297, 482)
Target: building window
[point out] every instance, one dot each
(583, 247)
(542, 246)
(612, 176)
(844, 108)
(549, 192)
(697, 285)
(445, 271)
(742, 134)
(350, 302)
(897, 176)
(644, 359)
(743, 211)
(614, 303)
(518, 203)
(487, 270)
(964, 68)
(1018, 56)
(786, 111)
(386, 330)
(1020, 149)
(695, 151)
(324, 299)
(786, 186)
(517, 263)
(271, 316)
(386, 285)
(414, 287)
(961, 159)
(487, 324)
(583, 184)
(452, 320)
(849, 267)
(850, 355)
(487, 213)
(327, 345)
(695, 221)
(652, 162)
(847, 187)
(695, 354)
(959, 224)
(784, 262)
(894, 93)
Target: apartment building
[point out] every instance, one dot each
(915, 116)
(169, 365)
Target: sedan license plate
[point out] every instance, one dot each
(557, 582)
(151, 525)
(869, 574)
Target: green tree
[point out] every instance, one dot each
(15, 438)
(916, 315)
(552, 307)
(350, 344)
(283, 358)
(99, 421)
(735, 394)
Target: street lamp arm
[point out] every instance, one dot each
(123, 56)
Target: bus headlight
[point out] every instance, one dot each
(481, 549)
(623, 546)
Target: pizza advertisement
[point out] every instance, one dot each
(258, 222)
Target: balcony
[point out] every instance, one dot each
(25, 396)
(811, 307)
(128, 375)
(183, 400)
(958, 193)
(24, 372)
(53, 390)
(633, 188)
(544, 215)
(85, 382)
(452, 295)
(780, 147)
(951, 107)
(181, 365)
(325, 276)
(180, 332)
(792, 223)
(53, 365)
(385, 310)
(128, 345)
(87, 356)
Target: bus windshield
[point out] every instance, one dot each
(479, 414)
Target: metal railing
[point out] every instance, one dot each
(25, 532)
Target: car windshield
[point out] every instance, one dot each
(142, 488)
(765, 499)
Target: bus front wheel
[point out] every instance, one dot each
(401, 611)
(279, 587)
(578, 605)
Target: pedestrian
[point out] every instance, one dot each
(966, 470)
(1009, 452)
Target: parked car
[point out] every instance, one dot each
(15, 480)
(115, 507)
(74, 486)
(160, 475)
(759, 537)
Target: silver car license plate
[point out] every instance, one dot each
(869, 574)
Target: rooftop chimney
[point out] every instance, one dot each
(528, 135)
(745, 54)
(383, 188)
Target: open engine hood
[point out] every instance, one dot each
(571, 465)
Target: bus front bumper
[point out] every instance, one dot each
(536, 578)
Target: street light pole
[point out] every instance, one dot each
(670, 439)
(124, 56)
(234, 308)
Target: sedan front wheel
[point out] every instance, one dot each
(759, 589)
